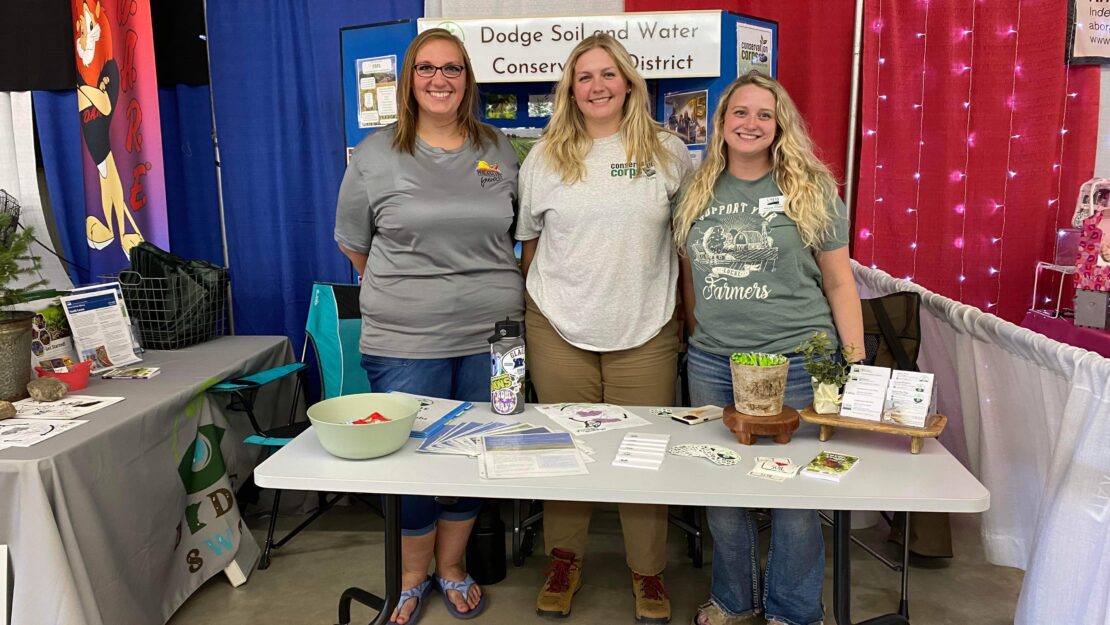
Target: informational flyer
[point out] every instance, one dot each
(101, 329)
(68, 407)
(685, 113)
(753, 49)
(377, 91)
(27, 432)
(581, 419)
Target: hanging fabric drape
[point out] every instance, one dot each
(1030, 417)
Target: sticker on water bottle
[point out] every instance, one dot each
(512, 362)
(503, 400)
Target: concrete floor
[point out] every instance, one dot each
(344, 548)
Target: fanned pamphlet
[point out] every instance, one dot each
(434, 413)
(830, 465)
(131, 373)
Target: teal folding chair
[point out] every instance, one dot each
(332, 328)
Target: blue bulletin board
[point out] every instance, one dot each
(367, 52)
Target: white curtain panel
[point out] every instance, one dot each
(19, 178)
(1030, 417)
(508, 8)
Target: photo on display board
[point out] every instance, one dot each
(540, 105)
(753, 49)
(500, 106)
(377, 91)
(685, 113)
(1093, 262)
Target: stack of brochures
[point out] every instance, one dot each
(546, 454)
(131, 373)
(640, 450)
(434, 414)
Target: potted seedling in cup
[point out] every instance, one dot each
(758, 383)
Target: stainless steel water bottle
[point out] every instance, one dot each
(506, 382)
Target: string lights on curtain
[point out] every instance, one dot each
(993, 115)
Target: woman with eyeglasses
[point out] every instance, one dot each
(602, 273)
(424, 214)
(764, 257)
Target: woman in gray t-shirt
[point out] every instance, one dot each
(425, 212)
(764, 264)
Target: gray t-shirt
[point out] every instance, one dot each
(605, 268)
(436, 225)
(756, 287)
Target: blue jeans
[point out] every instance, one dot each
(796, 559)
(463, 378)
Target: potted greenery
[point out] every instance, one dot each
(828, 372)
(758, 383)
(16, 260)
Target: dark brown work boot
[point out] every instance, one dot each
(564, 578)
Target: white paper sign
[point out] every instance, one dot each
(679, 44)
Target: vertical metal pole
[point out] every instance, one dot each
(219, 175)
(853, 112)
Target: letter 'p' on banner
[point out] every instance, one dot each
(1088, 38)
(117, 100)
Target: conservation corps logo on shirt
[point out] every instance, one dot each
(488, 173)
(630, 170)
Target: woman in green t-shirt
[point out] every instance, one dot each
(762, 239)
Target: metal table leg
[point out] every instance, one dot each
(842, 575)
(385, 607)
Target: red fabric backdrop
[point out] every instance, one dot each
(967, 169)
(930, 203)
(815, 60)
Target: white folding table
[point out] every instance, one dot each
(887, 478)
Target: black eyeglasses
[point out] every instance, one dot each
(427, 70)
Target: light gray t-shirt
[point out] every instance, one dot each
(756, 287)
(605, 268)
(437, 227)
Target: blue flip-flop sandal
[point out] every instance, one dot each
(463, 589)
(418, 592)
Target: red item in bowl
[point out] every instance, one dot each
(372, 418)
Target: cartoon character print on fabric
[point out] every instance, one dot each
(98, 88)
(734, 249)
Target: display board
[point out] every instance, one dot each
(684, 94)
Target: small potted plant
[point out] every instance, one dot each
(828, 372)
(758, 383)
(16, 260)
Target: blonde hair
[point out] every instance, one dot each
(565, 141)
(408, 112)
(806, 182)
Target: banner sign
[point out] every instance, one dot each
(117, 99)
(684, 44)
(1088, 32)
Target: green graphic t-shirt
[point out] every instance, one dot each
(756, 287)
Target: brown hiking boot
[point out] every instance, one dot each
(652, 603)
(564, 578)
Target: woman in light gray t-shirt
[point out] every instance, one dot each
(601, 273)
(425, 212)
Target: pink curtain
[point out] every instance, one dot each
(975, 138)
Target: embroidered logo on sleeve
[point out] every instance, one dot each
(488, 173)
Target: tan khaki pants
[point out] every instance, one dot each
(642, 376)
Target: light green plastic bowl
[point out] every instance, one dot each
(331, 420)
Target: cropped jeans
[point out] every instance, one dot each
(462, 378)
(791, 585)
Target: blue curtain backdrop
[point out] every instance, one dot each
(276, 80)
(60, 143)
(190, 162)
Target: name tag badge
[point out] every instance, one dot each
(773, 204)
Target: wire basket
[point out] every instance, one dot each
(177, 311)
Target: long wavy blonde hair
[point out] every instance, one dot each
(565, 142)
(806, 182)
(408, 112)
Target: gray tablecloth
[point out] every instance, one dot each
(98, 520)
